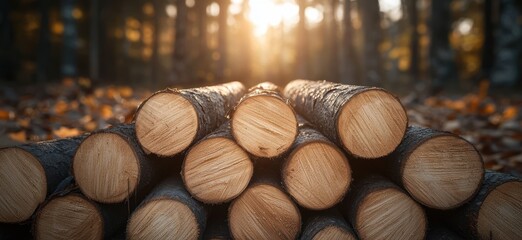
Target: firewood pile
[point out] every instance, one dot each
(315, 160)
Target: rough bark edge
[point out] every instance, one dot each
(416, 136)
(323, 219)
(114, 216)
(307, 134)
(464, 219)
(224, 131)
(212, 105)
(266, 89)
(172, 189)
(305, 95)
(148, 174)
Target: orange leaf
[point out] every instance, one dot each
(106, 112)
(509, 113)
(125, 92)
(63, 132)
(18, 136)
(6, 115)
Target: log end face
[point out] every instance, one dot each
(317, 175)
(372, 123)
(163, 219)
(265, 126)
(390, 214)
(217, 170)
(23, 183)
(334, 232)
(106, 168)
(443, 172)
(166, 124)
(69, 217)
(500, 214)
(264, 212)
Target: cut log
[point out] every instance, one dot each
(217, 224)
(73, 216)
(263, 123)
(264, 211)
(109, 166)
(170, 120)
(327, 224)
(168, 212)
(494, 213)
(216, 169)
(379, 209)
(438, 169)
(30, 172)
(316, 173)
(368, 122)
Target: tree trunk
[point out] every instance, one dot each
(263, 123)
(302, 58)
(453, 162)
(44, 44)
(202, 48)
(327, 224)
(371, 25)
(333, 43)
(222, 40)
(155, 58)
(180, 43)
(94, 40)
(216, 169)
(494, 213)
(69, 39)
(315, 173)
(351, 63)
(7, 69)
(414, 40)
(442, 56)
(379, 209)
(168, 212)
(335, 109)
(31, 172)
(170, 120)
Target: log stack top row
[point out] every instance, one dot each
(282, 160)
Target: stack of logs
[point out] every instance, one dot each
(317, 160)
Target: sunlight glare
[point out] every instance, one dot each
(171, 10)
(213, 9)
(392, 8)
(265, 14)
(313, 15)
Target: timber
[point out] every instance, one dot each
(30, 172)
(379, 209)
(316, 172)
(263, 123)
(494, 213)
(110, 167)
(168, 212)
(438, 169)
(328, 224)
(368, 122)
(216, 169)
(264, 211)
(171, 119)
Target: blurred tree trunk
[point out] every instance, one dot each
(490, 20)
(6, 40)
(69, 39)
(222, 39)
(155, 61)
(180, 43)
(44, 45)
(302, 60)
(351, 63)
(411, 7)
(442, 56)
(202, 50)
(507, 45)
(334, 45)
(94, 41)
(246, 41)
(371, 24)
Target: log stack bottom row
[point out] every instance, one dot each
(315, 160)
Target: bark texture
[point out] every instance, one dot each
(323, 219)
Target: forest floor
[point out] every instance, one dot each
(493, 123)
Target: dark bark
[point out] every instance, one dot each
(371, 25)
(351, 62)
(318, 221)
(212, 104)
(414, 137)
(69, 39)
(180, 43)
(442, 62)
(44, 44)
(464, 219)
(94, 40)
(217, 224)
(302, 56)
(222, 39)
(172, 189)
